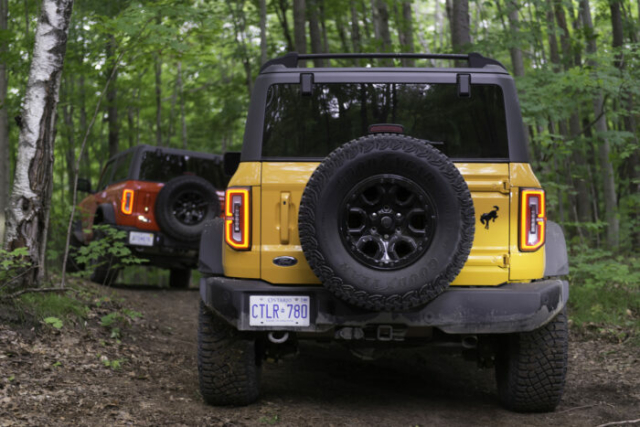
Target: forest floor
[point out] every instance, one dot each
(82, 375)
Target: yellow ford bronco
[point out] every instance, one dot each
(382, 207)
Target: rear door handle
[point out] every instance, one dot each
(285, 201)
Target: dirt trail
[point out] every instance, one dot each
(158, 385)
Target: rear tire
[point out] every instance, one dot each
(531, 367)
(180, 278)
(228, 364)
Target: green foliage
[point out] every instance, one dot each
(53, 305)
(54, 322)
(109, 248)
(117, 320)
(114, 364)
(605, 290)
(13, 263)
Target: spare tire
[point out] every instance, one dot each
(184, 205)
(386, 222)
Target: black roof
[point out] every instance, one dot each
(291, 59)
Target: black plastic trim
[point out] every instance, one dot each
(513, 307)
(291, 59)
(210, 258)
(556, 258)
(107, 213)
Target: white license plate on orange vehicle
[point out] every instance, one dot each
(279, 310)
(140, 239)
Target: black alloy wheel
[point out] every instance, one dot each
(190, 208)
(387, 222)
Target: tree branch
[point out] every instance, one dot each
(32, 290)
(619, 423)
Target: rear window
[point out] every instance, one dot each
(312, 126)
(158, 166)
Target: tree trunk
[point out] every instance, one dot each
(355, 28)
(608, 178)
(183, 115)
(263, 31)
(112, 106)
(28, 215)
(381, 20)
(5, 152)
(405, 31)
(577, 180)
(515, 51)
(172, 112)
(281, 13)
(158, 65)
(460, 37)
(551, 35)
(314, 31)
(299, 31)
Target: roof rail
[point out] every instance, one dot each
(290, 60)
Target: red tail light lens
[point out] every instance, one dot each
(533, 219)
(237, 221)
(126, 205)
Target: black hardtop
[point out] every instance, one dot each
(139, 149)
(285, 70)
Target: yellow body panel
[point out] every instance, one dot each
(278, 186)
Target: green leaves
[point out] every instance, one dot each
(54, 322)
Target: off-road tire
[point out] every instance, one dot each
(228, 364)
(179, 278)
(383, 155)
(172, 192)
(531, 367)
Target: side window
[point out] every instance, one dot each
(105, 178)
(121, 168)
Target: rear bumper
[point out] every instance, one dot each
(513, 307)
(166, 252)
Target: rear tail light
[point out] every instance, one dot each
(533, 219)
(126, 205)
(237, 225)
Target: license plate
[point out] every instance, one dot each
(140, 239)
(279, 310)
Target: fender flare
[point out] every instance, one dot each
(210, 255)
(105, 214)
(556, 258)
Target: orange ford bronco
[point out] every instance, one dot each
(162, 198)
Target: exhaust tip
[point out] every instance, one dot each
(278, 337)
(470, 341)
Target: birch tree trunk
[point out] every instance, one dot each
(5, 169)
(28, 214)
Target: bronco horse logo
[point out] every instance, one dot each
(486, 217)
